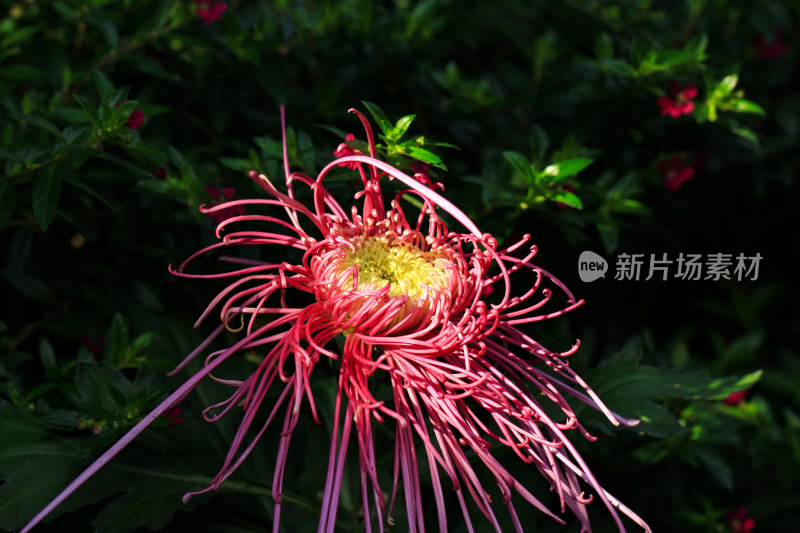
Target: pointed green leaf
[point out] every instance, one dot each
(72, 180)
(402, 126)
(162, 13)
(39, 122)
(109, 31)
(177, 158)
(11, 156)
(632, 389)
(609, 233)
(119, 96)
(48, 356)
(697, 46)
(36, 465)
(333, 129)
(568, 167)
(8, 200)
(629, 205)
(380, 117)
(78, 154)
(89, 108)
(123, 162)
(603, 49)
(143, 341)
(46, 191)
(73, 132)
(425, 156)
(726, 86)
(103, 84)
(539, 143)
(520, 165)
(117, 341)
(746, 106)
(745, 133)
(568, 198)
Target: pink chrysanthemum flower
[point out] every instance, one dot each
(406, 295)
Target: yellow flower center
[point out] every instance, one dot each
(403, 266)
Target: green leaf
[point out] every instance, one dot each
(46, 191)
(119, 96)
(726, 86)
(631, 389)
(333, 129)
(741, 105)
(143, 341)
(609, 233)
(103, 84)
(162, 13)
(73, 132)
(603, 49)
(402, 126)
(90, 109)
(22, 73)
(39, 122)
(78, 154)
(539, 143)
(123, 162)
(48, 357)
(568, 198)
(425, 156)
(18, 35)
(380, 117)
(568, 167)
(617, 67)
(745, 133)
(520, 165)
(697, 46)
(117, 342)
(8, 200)
(36, 465)
(70, 178)
(629, 205)
(177, 158)
(11, 156)
(109, 31)
(715, 466)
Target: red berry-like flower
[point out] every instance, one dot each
(739, 522)
(96, 349)
(232, 209)
(679, 100)
(160, 173)
(771, 50)
(173, 414)
(135, 119)
(736, 398)
(208, 12)
(675, 172)
(345, 150)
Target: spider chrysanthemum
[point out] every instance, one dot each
(406, 298)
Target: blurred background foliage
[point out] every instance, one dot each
(614, 126)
